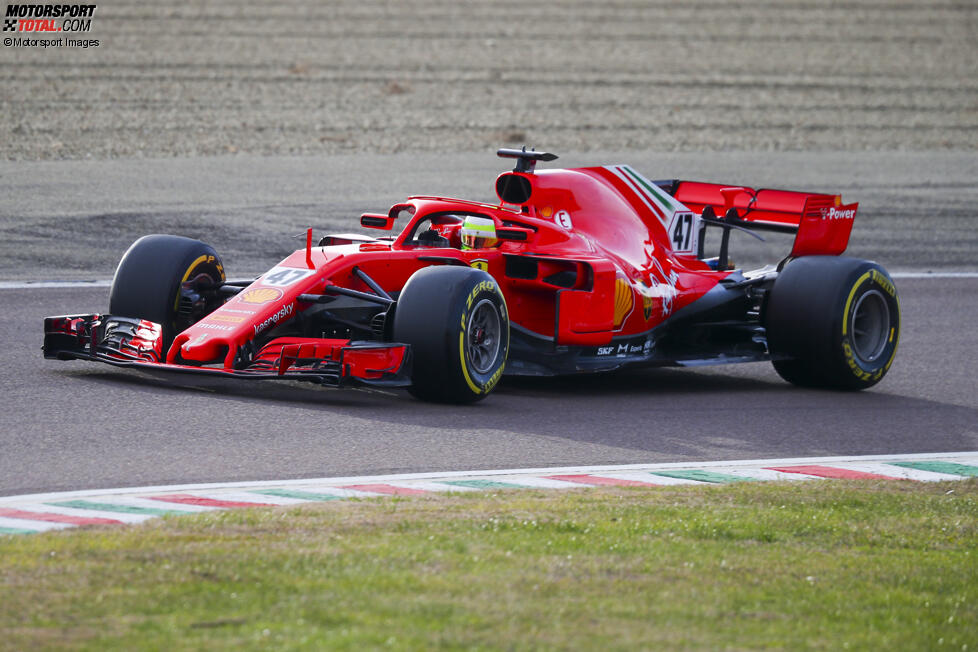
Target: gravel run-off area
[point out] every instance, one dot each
(192, 78)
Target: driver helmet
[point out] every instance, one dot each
(478, 232)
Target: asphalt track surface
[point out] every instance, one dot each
(81, 425)
(67, 426)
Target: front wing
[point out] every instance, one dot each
(138, 344)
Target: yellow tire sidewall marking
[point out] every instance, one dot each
(186, 276)
(890, 289)
(206, 258)
(493, 287)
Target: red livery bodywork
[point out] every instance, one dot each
(599, 267)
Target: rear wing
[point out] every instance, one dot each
(821, 222)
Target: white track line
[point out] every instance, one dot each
(138, 501)
(900, 472)
(538, 483)
(662, 480)
(237, 497)
(49, 285)
(326, 490)
(122, 517)
(934, 275)
(432, 486)
(763, 474)
(31, 525)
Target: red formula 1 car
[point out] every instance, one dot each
(577, 270)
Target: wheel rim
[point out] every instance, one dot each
(482, 336)
(196, 297)
(870, 326)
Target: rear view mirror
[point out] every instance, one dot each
(377, 221)
(386, 222)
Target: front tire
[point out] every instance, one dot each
(455, 320)
(165, 279)
(833, 322)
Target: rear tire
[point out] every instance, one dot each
(455, 320)
(798, 372)
(833, 322)
(149, 279)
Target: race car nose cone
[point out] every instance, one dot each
(201, 347)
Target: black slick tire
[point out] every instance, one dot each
(149, 278)
(833, 322)
(455, 320)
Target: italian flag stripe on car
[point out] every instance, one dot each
(655, 207)
(660, 196)
(662, 204)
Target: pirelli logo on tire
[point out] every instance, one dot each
(833, 322)
(483, 340)
(884, 282)
(870, 326)
(456, 322)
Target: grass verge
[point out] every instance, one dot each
(823, 565)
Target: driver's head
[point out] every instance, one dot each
(478, 233)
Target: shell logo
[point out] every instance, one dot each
(624, 302)
(260, 295)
